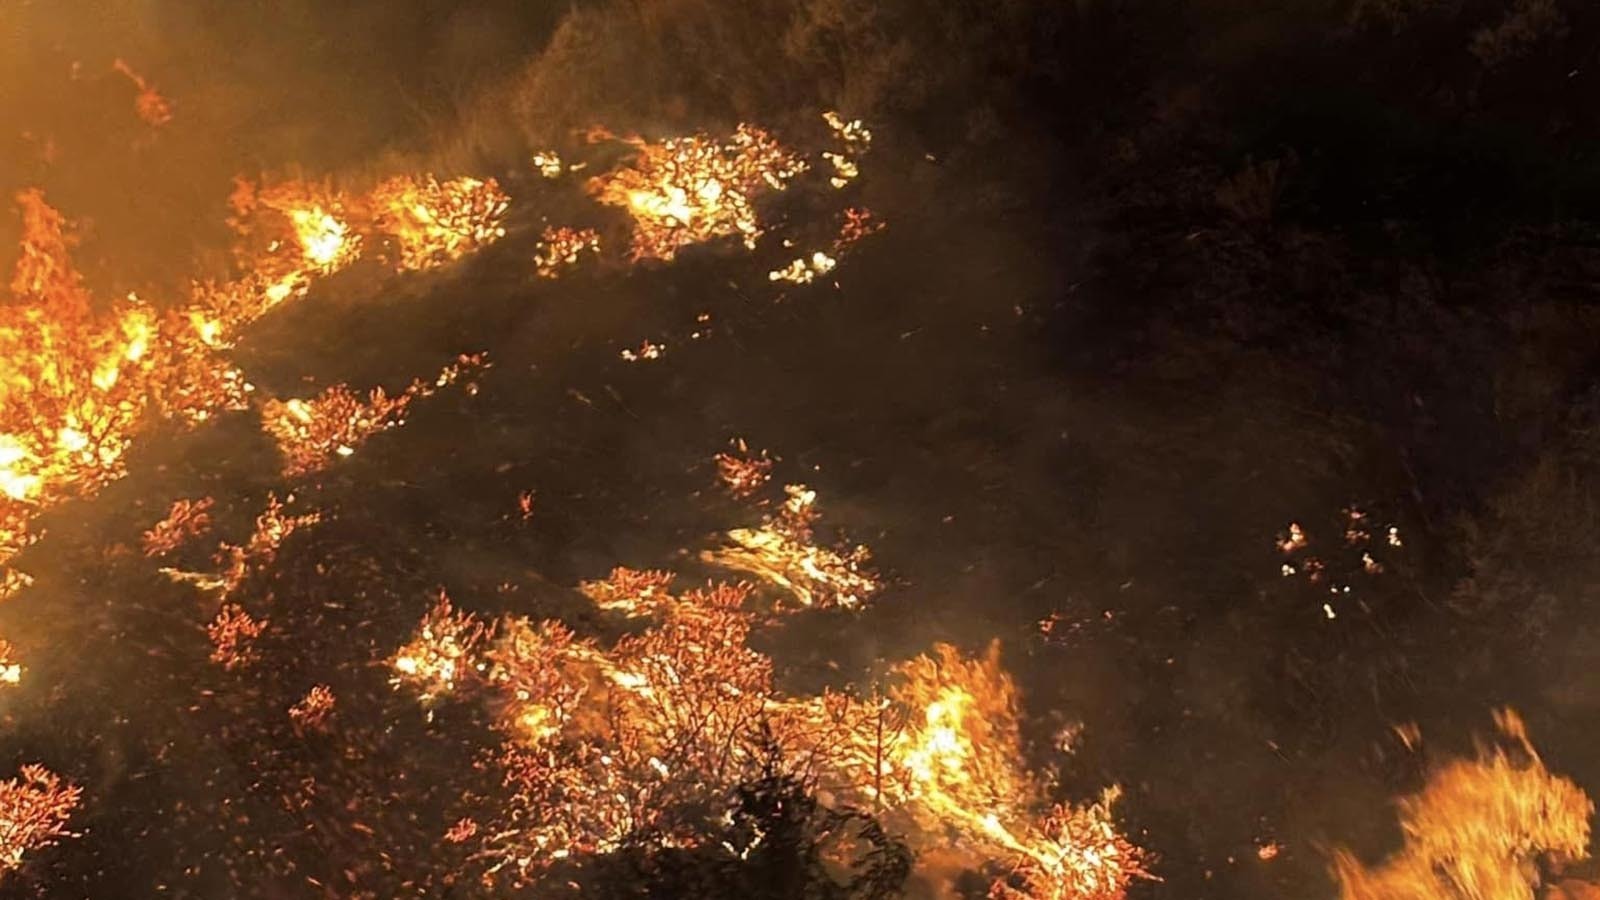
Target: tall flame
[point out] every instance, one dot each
(1477, 829)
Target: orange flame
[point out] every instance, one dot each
(1477, 828)
(690, 190)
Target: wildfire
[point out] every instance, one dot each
(185, 520)
(643, 738)
(804, 270)
(690, 190)
(232, 633)
(814, 576)
(312, 433)
(440, 652)
(308, 234)
(633, 591)
(10, 669)
(638, 740)
(563, 247)
(80, 383)
(235, 562)
(311, 712)
(548, 164)
(1478, 828)
(437, 222)
(34, 810)
(743, 474)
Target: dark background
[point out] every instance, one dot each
(1159, 278)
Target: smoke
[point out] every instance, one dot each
(255, 87)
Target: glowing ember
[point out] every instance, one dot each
(547, 163)
(185, 520)
(858, 223)
(12, 582)
(232, 633)
(804, 270)
(437, 222)
(855, 139)
(690, 190)
(563, 247)
(462, 831)
(10, 669)
(1477, 828)
(34, 809)
(311, 712)
(844, 169)
(150, 105)
(1360, 555)
(1295, 540)
(648, 350)
(851, 132)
